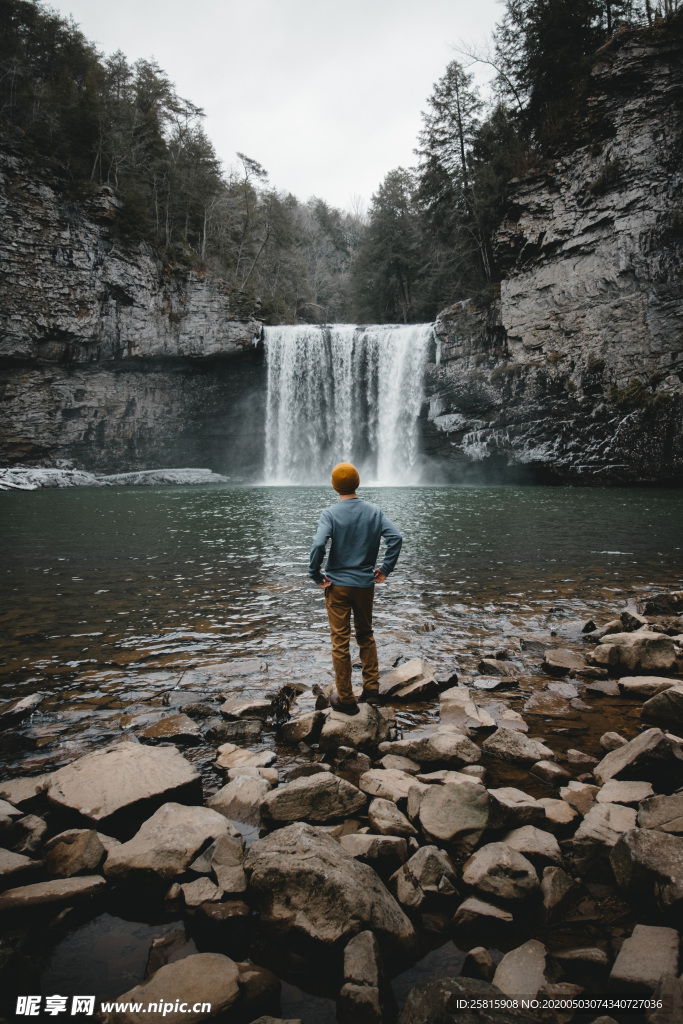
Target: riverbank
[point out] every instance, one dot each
(359, 843)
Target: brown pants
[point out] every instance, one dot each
(340, 602)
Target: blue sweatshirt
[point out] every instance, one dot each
(355, 527)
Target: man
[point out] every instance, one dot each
(355, 527)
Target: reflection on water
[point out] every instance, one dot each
(112, 596)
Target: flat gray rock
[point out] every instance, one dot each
(648, 954)
(383, 853)
(534, 843)
(414, 678)
(57, 891)
(15, 867)
(304, 883)
(515, 746)
(562, 662)
(232, 756)
(166, 844)
(521, 972)
(629, 793)
(201, 980)
(179, 728)
(387, 783)
(651, 756)
(25, 789)
(447, 747)
(474, 911)
(511, 808)
(605, 823)
(316, 798)
(644, 686)
(664, 813)
(455, 814)
(120, 783)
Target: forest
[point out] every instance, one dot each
(425, 241)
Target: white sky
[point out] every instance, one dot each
(325, 94)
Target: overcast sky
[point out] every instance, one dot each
(326, 94)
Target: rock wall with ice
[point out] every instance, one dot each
(575, 373)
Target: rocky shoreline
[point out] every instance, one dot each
(559, 872)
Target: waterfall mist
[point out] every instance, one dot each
(344, 393)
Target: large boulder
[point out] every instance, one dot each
(639, 653)
(647, 863)
(206, 982)
(121, 785)
(455, 814)
(445, 746)
(664, 813)
(166, 844)
(515, 746)
(318, 798)
(653, 756)
(363, 731)
(415, 680)
(501, 872)
(648, 954)
(665, 708)
(308, 886)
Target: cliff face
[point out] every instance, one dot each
(576, 372)
(110, 358)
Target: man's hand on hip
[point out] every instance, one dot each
(325, 584)
(379, 576)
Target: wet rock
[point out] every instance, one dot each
(270, 775)
(495, 682)
(60, 891)
(228, 922)
(580, 795)
(121, 784)
(511, 808)
(478, 964)
(644, 686)
(648, 954)
(29, 834)
(227, 860)
(477, 913)
(548, 771)
(447, 747)
(201, 980)
(649, 863)
(234, 707)
(428, 873)
(602, 688)
(640, 653)
(456, 814)
(605, 823)
(316, 798)
(580, 761)
(501, 872)
(15, 711)
(459, 710)
(494, 667)
(350, 760)
(629, 793)
(387, 783)
(178, 728)
(394, 762)
(558, 813)
(304, 728)
(241, 799)
(521, 972)
(514, 746)
(385, 818)
(361, 997)
(383, 853)
(202, 890)
(232, 756)
(557, 888)
(612, 741)
(16, 869)
(76, 852)
(165, 845)
(561, 662)
(665, 708)
(652, 757)
(436, 1002)
(24, 791)
(306, 884)
(241, 730)
(670, 603)
(664, 813)
(414, 680)
(538, 845)
(549, 705)
(363, 731)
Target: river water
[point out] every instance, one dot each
(119, 603)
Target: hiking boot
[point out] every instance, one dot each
(346, 709)
(370, 697)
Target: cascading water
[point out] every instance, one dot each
(344, 393)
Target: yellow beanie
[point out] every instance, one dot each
(345, 478)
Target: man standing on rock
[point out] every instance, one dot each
(355, 528)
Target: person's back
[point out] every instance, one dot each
(355, 528)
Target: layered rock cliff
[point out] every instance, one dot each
(111, 358)
(576, 372)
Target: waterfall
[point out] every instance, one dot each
(344, 393)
